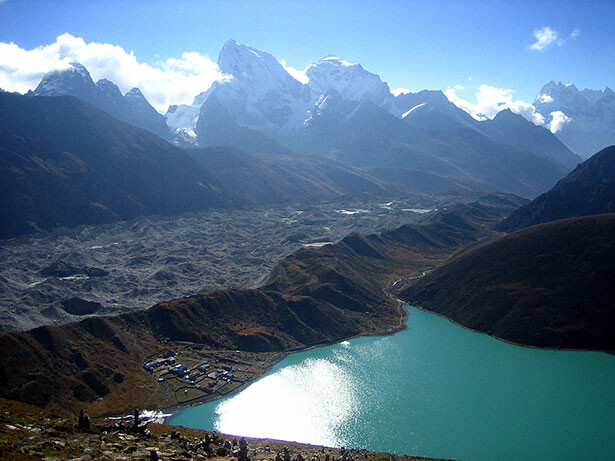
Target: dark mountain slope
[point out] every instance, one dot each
(442, 144)
(476, 161)
(260, 180)
(434, 113)
(589, 189)
(216, 127)
(65, 162)
(416, 181)
(546, 286)
(513, 129)
(352, 133)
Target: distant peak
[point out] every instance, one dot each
(77, 66)
(336, 60)
(250, 64)
(234, 53)
(109, 88)
(507, 114)
(550, 86)
(135, 92)
(233, 46)
(80, 69)
(70, 80)
(103, 83)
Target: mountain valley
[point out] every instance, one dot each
(159, 254)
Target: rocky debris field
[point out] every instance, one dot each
(28, 433)
(59, 277)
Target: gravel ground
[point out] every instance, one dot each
(135, 264)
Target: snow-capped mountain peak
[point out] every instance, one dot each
(351, 81)
(583, 120)
(260, 93)
(74, 79)
(109, 88)
(242, 61)
(135, 94)
(79, 69)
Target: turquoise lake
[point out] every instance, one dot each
(434, 389)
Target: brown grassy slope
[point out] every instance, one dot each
(314, 296)
(549, 285)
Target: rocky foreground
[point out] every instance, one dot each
(29, 433)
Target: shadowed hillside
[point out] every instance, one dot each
(263, 180)
(588, 189)
(548, 286)
(64, 162)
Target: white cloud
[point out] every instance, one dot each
(545, 37)
(295, 73)
(558, 120)
(490, 100)
(575, 33)
(174, 81)
(398, 91)
(545, 98)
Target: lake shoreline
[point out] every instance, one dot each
(409, 393)
(507, 341)
(283, 355)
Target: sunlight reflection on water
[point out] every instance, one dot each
(434, 389)
(311, 400)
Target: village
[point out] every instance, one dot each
(194, 375)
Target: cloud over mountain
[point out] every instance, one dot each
(173, 81)
(491, 100)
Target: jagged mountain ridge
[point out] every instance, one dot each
(348, 114)
(583, 119)
(132, 107)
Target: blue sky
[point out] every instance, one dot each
(414, 45)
